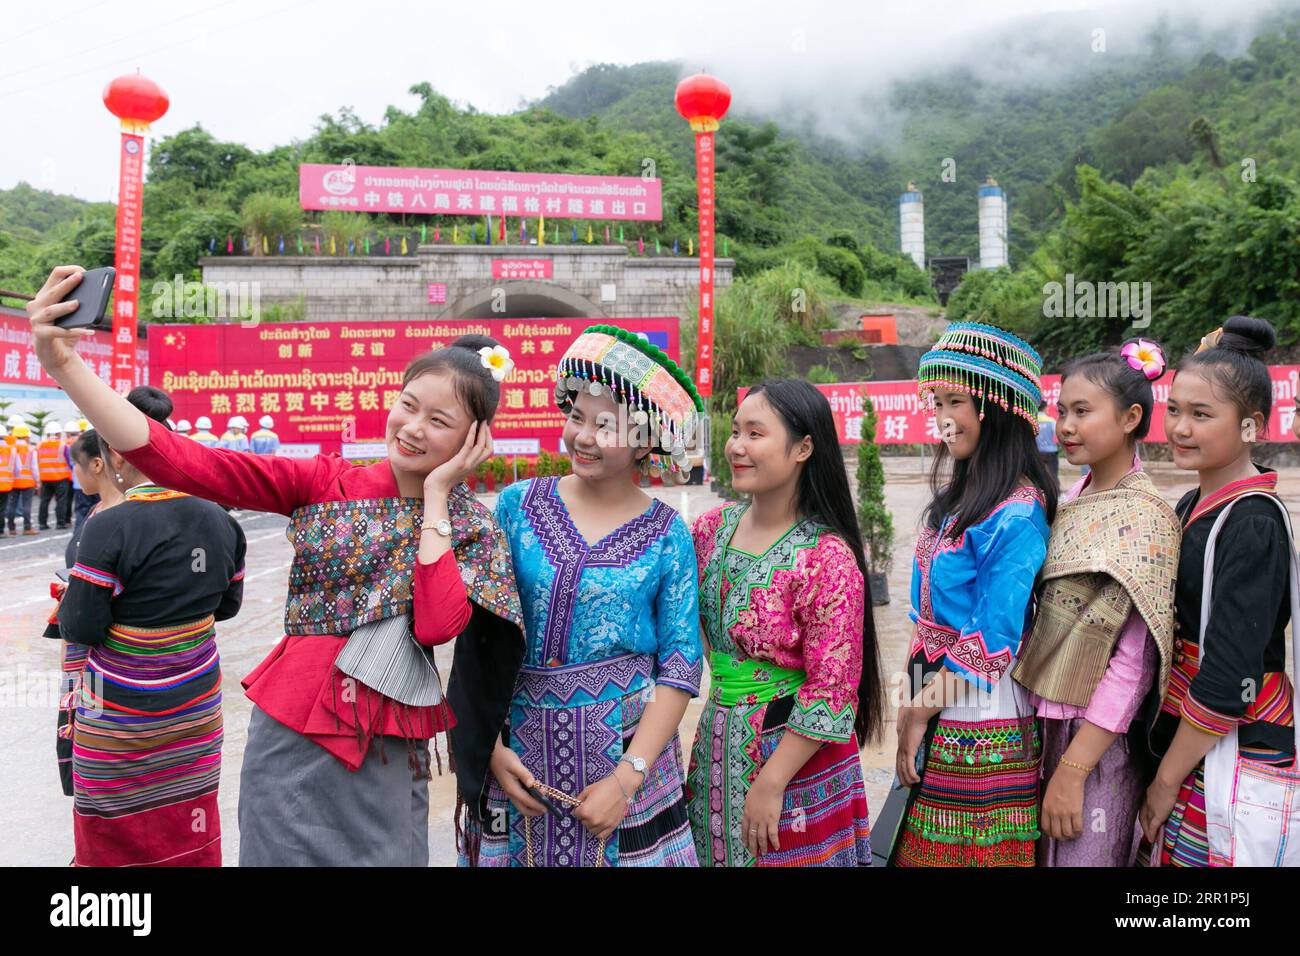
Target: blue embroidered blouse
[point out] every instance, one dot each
(633, 592)
(971, 596)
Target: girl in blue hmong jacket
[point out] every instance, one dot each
(966, 738)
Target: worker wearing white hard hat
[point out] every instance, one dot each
(16, 420)
(264, 441)
(73, 426)
(183, 427)
(54, 469)
(203, 432)
(235, 437)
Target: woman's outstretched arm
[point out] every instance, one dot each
(235, 479)
(121, 424)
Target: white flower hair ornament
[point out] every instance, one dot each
(497, 360)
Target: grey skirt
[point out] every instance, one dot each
(298, 806)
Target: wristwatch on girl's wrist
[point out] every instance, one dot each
(639, 765)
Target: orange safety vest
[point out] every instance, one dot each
(49, 458)
(6, 467)
(23, 470)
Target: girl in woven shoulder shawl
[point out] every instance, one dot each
(589, 772)
(967, 738)
(1229, 708)
(794, 692)
(1103, 634)
(391, 559)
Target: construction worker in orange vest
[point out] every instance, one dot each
(23, 469)
(56, 479)
(6, 472)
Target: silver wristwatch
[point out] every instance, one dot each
(639, 765)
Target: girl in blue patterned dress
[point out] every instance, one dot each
(589, 771)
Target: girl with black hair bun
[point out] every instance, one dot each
(775, 778)
(967, 737)
(1103, 633)
(1229, 709)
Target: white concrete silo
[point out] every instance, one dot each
(911, 225)
(993, 225)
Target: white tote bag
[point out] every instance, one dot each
(1252, 810)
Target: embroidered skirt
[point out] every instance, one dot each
(569, 726)
(146, 749)
(977, 802)
(823, 820)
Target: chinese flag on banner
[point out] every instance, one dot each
(704, 169)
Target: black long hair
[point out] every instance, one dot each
(1004, 453)
(823, 494)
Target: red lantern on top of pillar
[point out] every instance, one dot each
(137, 101)
(703, 100)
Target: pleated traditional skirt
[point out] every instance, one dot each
(299, 806)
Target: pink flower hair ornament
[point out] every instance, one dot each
(1145, 357)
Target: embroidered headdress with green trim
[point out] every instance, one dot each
(988, 364)
(659, 396)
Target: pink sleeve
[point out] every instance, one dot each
(237, 479)
(442, 610)
(705, 527)
(829, 613)
(1128, 677)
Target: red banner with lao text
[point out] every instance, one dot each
(328, 385)
(902, 417)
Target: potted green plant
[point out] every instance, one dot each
(873, 517)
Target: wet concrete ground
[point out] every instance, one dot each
(35, 816)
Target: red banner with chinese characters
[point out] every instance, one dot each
(522, 269)
(19, 366)
(704, 177)
(127, 261)
(328, 385)
(475, 192)
(902, 417)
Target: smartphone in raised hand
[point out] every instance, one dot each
(92, 294)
